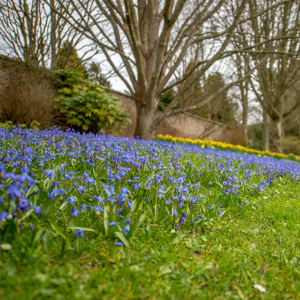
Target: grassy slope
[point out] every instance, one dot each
(249, 246)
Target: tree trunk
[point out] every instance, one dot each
(298, 123)
(54, 57)
(266, 131)
(138, 118)
(245, 122)
(276, 135)
(146, 123)
(244, 94)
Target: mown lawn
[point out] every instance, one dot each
(256, 242)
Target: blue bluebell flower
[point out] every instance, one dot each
(97, 208)
(79, 233)
(37, 210)
(126, 228)
(71, 200)
(74, 212)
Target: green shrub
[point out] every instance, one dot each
(86, 105)
(9, 125)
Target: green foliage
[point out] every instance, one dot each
(95, 73)
(165, 99)
(35, 125)
(69, 59)
(255, 135)
(86, 105)
(221, 109)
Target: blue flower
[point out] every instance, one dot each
(49, 174)
(24, 204)
(97, 208)
(99, 198)
(126, 228)
(136, 186)
(53, 194)
(84, 207)
(37, 210)
(112, 224)
(124, 190)
(14, 190)
(127, 221)
(71, 200)
(176, 227)
(168, 201)
(119, 244)
(74, 212)
(81, 189)
(79, 233)
(180, 204)
(219, 211)
(90, 181)
(175, 213)
(4, 215)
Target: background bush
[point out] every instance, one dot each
(86, 105)
(27, 96)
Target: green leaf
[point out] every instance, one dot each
(105, 219)
(28, 213)
(121, 236)
(83, 228)
(156, 212)
(138, 224)
(57, 230)
(133, 207)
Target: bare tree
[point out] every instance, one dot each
(145, 43)
(22, 27)
(277, 34)
(37, 35)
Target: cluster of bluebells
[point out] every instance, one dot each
(101, 179)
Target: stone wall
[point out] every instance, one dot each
(181, 125)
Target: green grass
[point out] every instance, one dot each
(256, 245)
